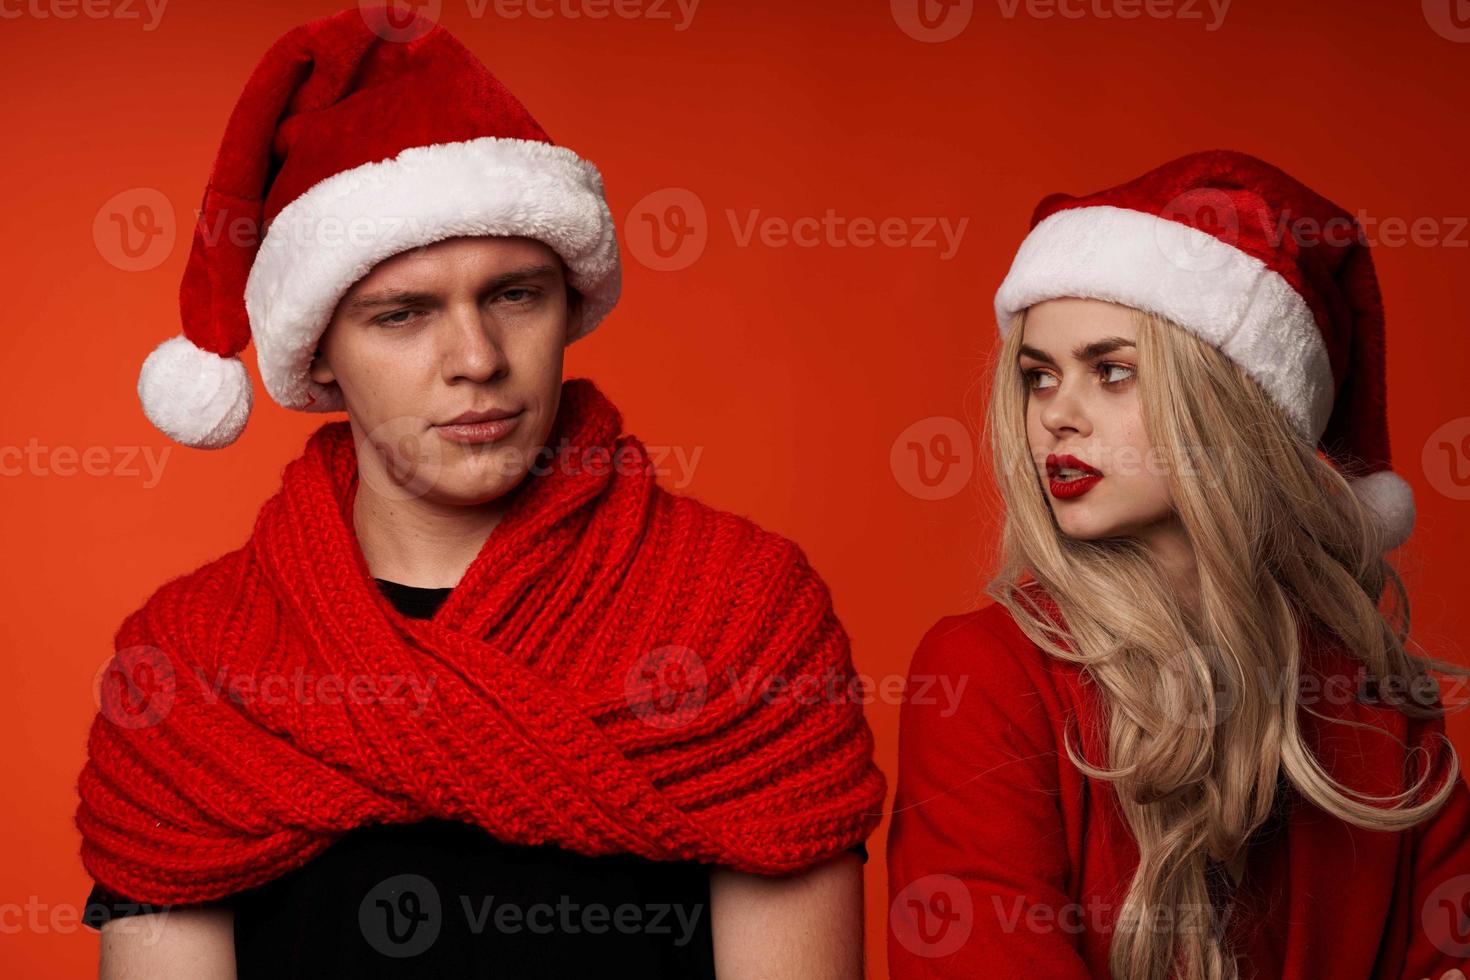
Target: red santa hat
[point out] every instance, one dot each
(357, 137)
(1252, 261)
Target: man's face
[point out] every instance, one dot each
(462, 325)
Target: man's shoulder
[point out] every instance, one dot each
(192, 586)
(741, 536)
(728, 555)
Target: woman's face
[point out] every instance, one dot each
(461, 325)
(1080, 367)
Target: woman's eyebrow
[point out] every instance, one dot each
(1086, 352)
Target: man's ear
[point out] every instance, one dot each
(320, 371)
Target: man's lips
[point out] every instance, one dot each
(483, 415)
(480, 427)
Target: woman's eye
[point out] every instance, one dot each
(1108, 369)
(1035, 376)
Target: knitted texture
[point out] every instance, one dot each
(620, 670)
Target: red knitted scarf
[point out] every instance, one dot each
(620, 670)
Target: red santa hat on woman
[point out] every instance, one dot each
(1252, 261)
(357, 137)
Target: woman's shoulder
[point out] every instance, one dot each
(998, 673)
(989, 638)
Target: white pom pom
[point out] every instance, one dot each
(194, 396)
(1391, 500)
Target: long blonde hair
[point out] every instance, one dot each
(1198, 734)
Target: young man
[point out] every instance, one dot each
(477, 694)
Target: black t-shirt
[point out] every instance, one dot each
(443, 898)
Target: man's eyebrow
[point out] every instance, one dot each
(1086, 352)
(394, 297)
(404, 297)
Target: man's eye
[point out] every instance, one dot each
(393, 319)
(517, 295)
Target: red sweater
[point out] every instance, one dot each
(1005, 861)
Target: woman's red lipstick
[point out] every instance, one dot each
(1068, 477)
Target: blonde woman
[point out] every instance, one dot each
(1199, 742)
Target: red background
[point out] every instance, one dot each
(793, 370)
